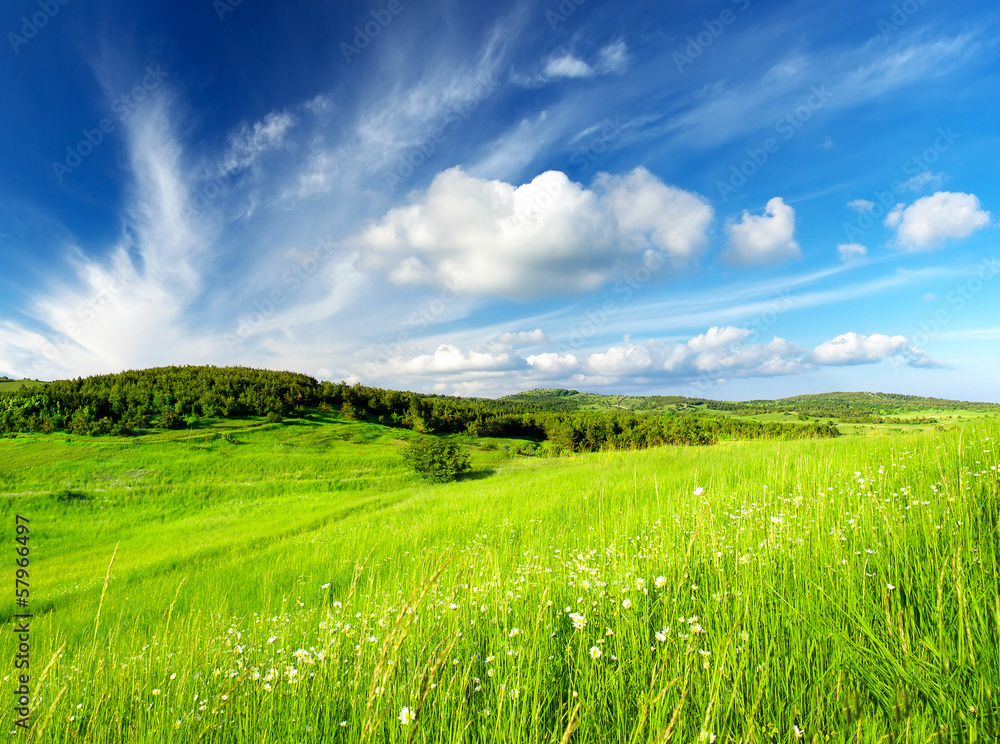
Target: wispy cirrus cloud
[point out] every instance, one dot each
(128, 304)
(250, 143)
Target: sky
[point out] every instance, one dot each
(729, 199)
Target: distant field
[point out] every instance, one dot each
(294, 582)
(7, 385)
(851, 412)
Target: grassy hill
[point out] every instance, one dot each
(7, 384)
(243, 580)
(848, 408)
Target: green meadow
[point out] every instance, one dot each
(247, 581)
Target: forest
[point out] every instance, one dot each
(130, 402)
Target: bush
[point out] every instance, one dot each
(436, 459)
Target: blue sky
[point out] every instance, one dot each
(729, 199)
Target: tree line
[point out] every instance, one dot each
(175, 397)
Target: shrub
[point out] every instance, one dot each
(436, 459)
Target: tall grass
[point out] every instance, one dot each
(299, 585)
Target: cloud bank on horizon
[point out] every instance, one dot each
(735, 201)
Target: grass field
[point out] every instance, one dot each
(7, 385)
(294, 583)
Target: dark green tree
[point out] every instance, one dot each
(436, 459)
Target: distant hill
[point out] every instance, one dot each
(859, 407)
(175, 397)
(7, 383)
(573, 400)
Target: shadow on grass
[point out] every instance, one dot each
(474, 475)
(68, 496)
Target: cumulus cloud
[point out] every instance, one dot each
(553, 366)
(931, 220)
(763, 239)
(612, 58)
(448, 359)
(650, 211)
(544, 238)
(853, 348)
(848, 251)
(247, 145)
(721, 352)
(567, 66)
(861, 205)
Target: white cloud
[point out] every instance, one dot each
(544, 238)
(903, 65)
(861, 205)
(317, 177)
(931, 220)
(631, 359)
(853, 348)
(320, 105)
(613, 58)
(917, 182)
(553, 366)
(448, 359)
(127, 309)
(721, 352)
(849, 251)
(671, 219)
(764, 239)
(526, 338)
(567, 66)
(250, 143)
(716, 337)
(728, 351)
